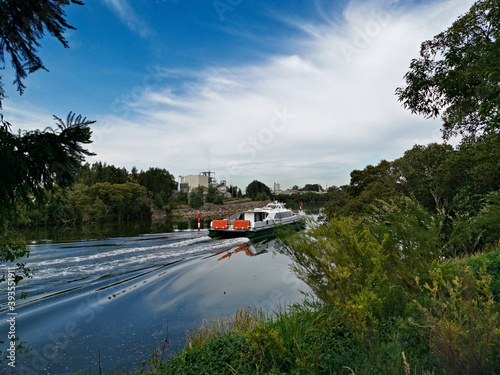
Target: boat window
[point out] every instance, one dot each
(260, 216)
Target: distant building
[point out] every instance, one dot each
(222, 187)
(195, 181)
(204, 180)
(276, 189)
(182, 187)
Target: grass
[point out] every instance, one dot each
(243, 320)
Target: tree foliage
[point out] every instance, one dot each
(196, 199)
(255, 188)
(101, 172)
(422, 173)
(88, 200)
(160, 183)
(123, 201)
(233, 190)
(23, 24)
(35, 161)
(457, 74)
(360, 179)
(445, 181)
(98, 203)
(211, 195)
(312, 187)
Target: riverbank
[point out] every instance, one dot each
(209, 211)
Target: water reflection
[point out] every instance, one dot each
(252, 248)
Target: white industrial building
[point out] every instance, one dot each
(204, 180)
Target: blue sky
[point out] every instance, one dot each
(292, 92)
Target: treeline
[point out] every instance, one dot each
(307, 198)
(462, 185)
(259, 191)
(104, 193)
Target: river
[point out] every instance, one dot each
(114, 300)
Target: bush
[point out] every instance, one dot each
(219, 200)
(347, 268)
(261, 197)
(196, 200)
(464, 323)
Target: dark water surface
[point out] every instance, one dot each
(117, 297)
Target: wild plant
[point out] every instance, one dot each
(244, 319)
(344, 264)
(463, 321)
(364, 270)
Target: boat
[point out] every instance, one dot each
(256, 222)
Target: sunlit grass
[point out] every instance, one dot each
(243, 320)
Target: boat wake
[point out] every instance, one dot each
(55, 266)
(102, 299)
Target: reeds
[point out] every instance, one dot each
(243, 320)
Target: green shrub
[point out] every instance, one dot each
(464, 322)
(347, 269)
(490, 260)
(219, 200)
(196, 199)
(265, 347)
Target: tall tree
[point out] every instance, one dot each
(101, 172)
(32, 163)
(312, 187)
(473, 172)
(424, 177)
(23, 24)
(36, 160)
(457, 75)
(360, 179)
(160, 183)
(255, 187)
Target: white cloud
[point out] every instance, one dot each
(311, 116)
(128, 16)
